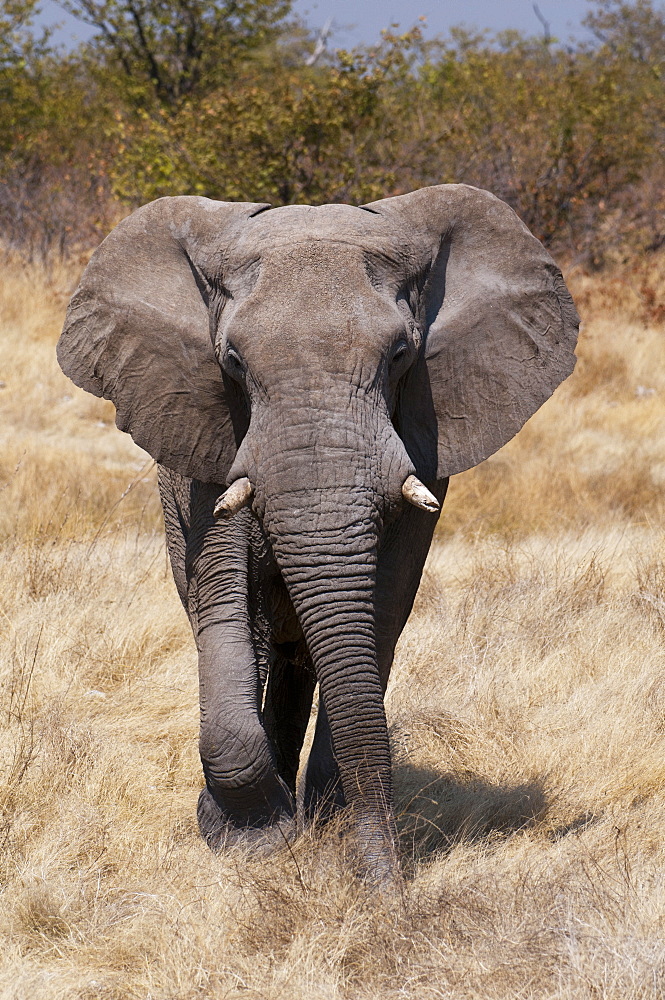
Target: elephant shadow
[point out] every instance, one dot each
(435, 810)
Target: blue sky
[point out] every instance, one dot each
(362, 20)
(357, 21)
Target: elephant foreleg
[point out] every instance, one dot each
(243, 786)
(175, 494)
(402, 554)
(288, 703)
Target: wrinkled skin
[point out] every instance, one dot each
(325, 354)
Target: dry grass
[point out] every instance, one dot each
(527, 712)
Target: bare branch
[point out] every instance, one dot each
(320, 46)
(547, 35)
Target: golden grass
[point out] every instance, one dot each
(527, 712)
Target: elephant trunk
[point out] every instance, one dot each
(329, 566)
(323, 501)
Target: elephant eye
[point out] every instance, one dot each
(234, 359)
(400, 352)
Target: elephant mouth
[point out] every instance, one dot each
(240, 493)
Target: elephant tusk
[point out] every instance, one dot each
(234, 499)
(417, 494)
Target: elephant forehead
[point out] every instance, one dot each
(326, 281)
(334, 270)
(297, 226)
(321, 220)
(314, 302)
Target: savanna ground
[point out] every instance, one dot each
(527, 711)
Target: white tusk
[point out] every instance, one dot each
(234, 499)
(417, 494)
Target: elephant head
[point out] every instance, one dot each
(316, 360)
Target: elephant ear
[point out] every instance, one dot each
(499, 323)
(137, 331)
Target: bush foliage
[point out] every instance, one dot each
(223, 99)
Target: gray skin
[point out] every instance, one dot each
(326, 354)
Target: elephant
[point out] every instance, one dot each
(307, 379)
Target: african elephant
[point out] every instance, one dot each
(324, 363)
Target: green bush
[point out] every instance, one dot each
(180, 96)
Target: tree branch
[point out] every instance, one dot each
(547, 36)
